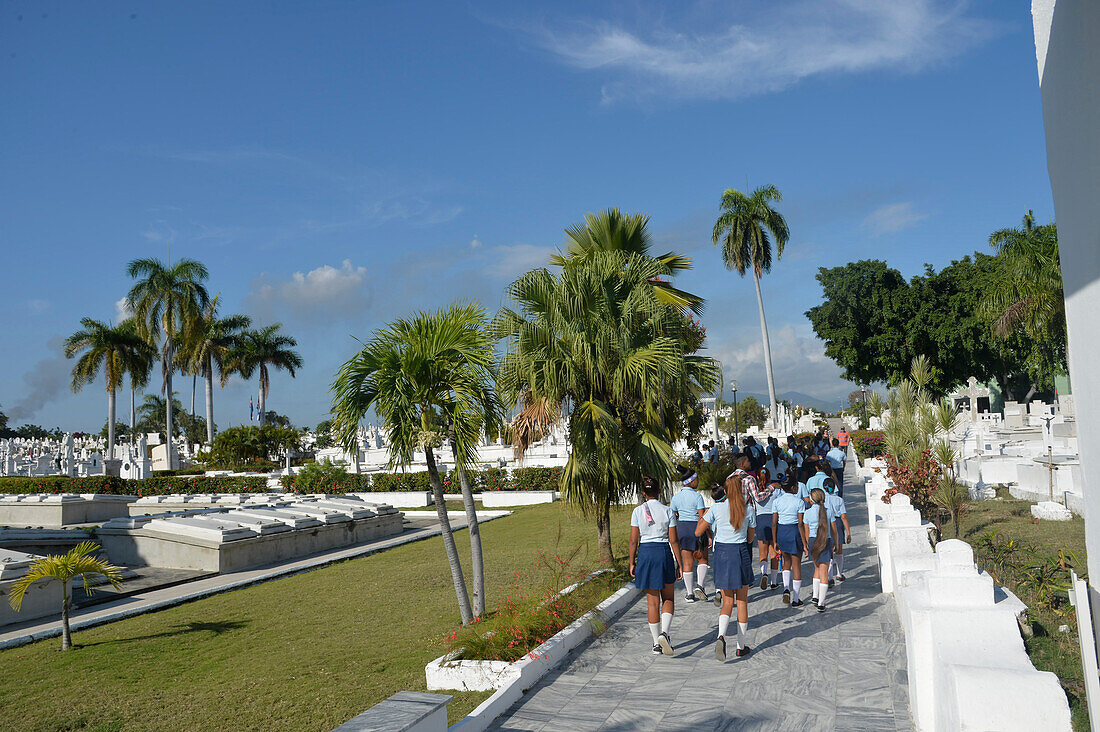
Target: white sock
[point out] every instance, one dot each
(821, 597)
(832, 568)
(743, 636)
(701, 573)
(763, 566)
(654, 630)
(723, 624)
(666, 622)
(817, 586)
(796, 586)
(839, 564)
(786, 579)
(773, 576)
(688, 578)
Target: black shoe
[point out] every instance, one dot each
(742, 652)
(717, 598)
(813, 600)
(720, 649)
(689, 598)
(821, 608)
(773, 587)
(841, 577)
(786, 597)
(665, 644)
(797, 603)
(701, 594)
(764, 582)
(657, 649)
(832, 583)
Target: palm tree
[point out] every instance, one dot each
(426, 377)
(139, 367)
(80, 561)
(114, 350)
(208, 348)
(746, 226)
(165, 300)
(257, 350)
(600, 344)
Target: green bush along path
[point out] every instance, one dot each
(306, 652)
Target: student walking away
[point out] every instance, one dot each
(787, 528)
(820, 537)
(764, 495)
(654, 547)
(817, 480)
(687, 506)
(775, 464)
(733, 522)
(697, 456)
(834, 502)
(836, 458)
(843, 438)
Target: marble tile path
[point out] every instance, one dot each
(844, 669)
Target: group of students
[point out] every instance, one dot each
(789, 505)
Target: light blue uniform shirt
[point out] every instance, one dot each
(835, 503)
(656, 532)
(811, 517)
(767, 508)
(788, 506)
(817, 480)
(836, 457)
(719, 521)
(687, 504)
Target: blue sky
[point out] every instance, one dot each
(338, 164)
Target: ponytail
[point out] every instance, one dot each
(818, 497)
(736, 499)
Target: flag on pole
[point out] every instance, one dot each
(250, 409)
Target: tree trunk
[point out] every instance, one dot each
(263, 402)
(66, 633)
(169, 449)
(194, 380)
(133, 414)
(209, 407)
(1030, 393)
(476, 559)
(603, 529)
(448, 538)
(767, 346)
(111, 424)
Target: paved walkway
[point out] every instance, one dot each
(844, 669)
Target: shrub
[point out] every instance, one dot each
(400, 482)
(103, 484)
(919, 481)
(533, 479)
(325, 477)
(869, 443)
(155, 486)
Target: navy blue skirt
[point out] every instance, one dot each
(685, 532)
(655, 566)
(764, 528)
(732, 566)
(789, 539)
(839, 531)
(826, 553)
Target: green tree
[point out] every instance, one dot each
(151, 419)
(166, 300)
(747, 227)
(427, 378)
(207, 348)
(112, 350)
(139, 367)
(80, 561)
(750, 413)
(261, 350)
(324, 435)
(596, 342)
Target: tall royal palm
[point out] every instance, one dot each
(209, 346)
(260, 351)
(747, 227)
(597, 343)
(139, 368)
(165, 300)
(426, 378)
(113, 350)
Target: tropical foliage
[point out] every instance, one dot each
(247, 447)
(259, 351)
(207, 348)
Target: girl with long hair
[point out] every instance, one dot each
(820, 537)
(763, 495)
(687, 505)
(843, 530)
(654, 562)
(787, 529)
(733, 522)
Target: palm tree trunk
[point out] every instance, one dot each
(194, 380)
(209, 407)
(133, 413)
(603, 529)
(448, 538)
(111, 424)
(66, 632)
(169, 445)
(263, 399)
(767, 346)
(476, 558)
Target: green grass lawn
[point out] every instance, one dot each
(306, 652)
(1049, 650)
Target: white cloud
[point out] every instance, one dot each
(743, 50)
(892, 218)
(409, 208)
(508, 262)
(475, 242)
(325, 291)
(122, 309)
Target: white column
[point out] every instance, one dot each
(1067, 48)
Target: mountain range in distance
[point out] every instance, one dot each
(797, 398)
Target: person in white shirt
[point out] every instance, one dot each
(688, 505)
(836, 458)
(733, 522)
(843, 530)
(820, 537)
(653, 562)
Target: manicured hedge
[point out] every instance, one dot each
(157, 486)
(534, 479)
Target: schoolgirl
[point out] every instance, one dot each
(787, 528)
(653, 563)
(821, 537)
(775, 464)
(686, 506)
(843, 530)
(763, 495)
(733, 523)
